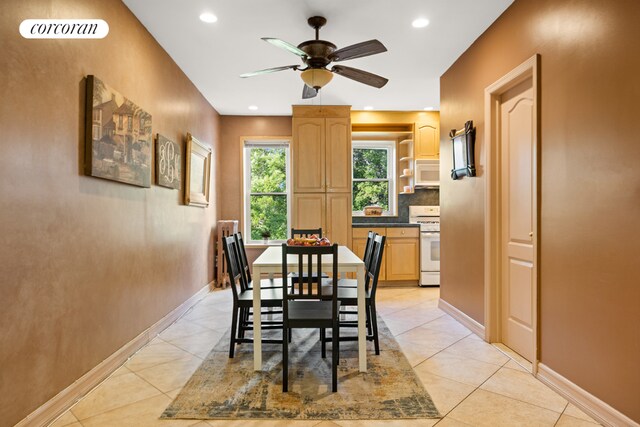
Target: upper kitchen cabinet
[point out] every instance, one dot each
(321, 149)
(427, 141)
(425, 127)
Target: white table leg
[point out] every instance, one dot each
(257, 330)
(362, 320)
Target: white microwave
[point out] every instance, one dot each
(427, 173)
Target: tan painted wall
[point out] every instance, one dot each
(232, 129)
(86, 264)
(590, 185)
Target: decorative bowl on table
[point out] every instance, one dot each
(372, 210)
(313, 240)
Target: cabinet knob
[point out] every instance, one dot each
(531, 234)
(402, 231)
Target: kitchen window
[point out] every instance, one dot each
(374, 176)
(267, 190)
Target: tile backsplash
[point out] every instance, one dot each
(424, 197)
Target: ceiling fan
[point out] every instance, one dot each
(318, 54)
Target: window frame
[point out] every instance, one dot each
(391, 147)
(247, 145)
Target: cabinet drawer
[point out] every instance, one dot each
(361, 232)
(403, 232)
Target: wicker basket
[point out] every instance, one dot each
(372, 210)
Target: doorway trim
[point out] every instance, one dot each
(529, 69)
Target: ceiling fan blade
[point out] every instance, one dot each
(308, 92)
(358, 50)
(269, 70)
(360, 76)
(286, 46)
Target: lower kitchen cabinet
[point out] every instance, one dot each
(403, 253)
(401, 260)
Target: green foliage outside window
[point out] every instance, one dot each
(268, 175)
(369, 168)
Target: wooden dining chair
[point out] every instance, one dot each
(303, 306)
(270, 283)
(243, 300)
(306, 232)
(368, 252)
(349, 297)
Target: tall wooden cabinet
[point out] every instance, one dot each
(322, 170)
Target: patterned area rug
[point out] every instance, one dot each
(223, 388)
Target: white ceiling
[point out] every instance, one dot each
(213, 55)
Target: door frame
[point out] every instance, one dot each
(529, 69)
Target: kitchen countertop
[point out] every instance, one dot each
(383, 224)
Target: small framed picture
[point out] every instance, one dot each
(463, 142)
(168, 163)
(198, 173)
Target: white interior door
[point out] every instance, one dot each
(518, 190)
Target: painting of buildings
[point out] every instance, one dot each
(118, 136)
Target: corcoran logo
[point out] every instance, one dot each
(64, 28)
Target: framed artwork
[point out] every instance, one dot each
(463, 142)
(168, 163)
(117, 136)
(198, 172)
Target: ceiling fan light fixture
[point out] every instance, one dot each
(316, 77)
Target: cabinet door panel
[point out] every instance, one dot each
(308, 211)
(339, 218)
(338, 145)
(427, 142)
(402, 259)
(308, 155)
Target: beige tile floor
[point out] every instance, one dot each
(471, 382)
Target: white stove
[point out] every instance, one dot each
(429, 219)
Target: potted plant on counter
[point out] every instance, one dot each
(266, 234)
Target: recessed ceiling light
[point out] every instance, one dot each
(253, 107)
(428, 108)
(420, 23)
(368, 108)
(207, 17)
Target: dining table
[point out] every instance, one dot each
(270, 263)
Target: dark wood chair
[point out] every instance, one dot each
(302, 232)
(368, 251)
(244, 266)
(305, 232)
(243, 300)
(349, 296)
(303, 306)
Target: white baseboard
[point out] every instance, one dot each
(591, 405)
(62, 401)
(467, 321)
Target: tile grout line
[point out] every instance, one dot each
(474, 390)
(558, 420)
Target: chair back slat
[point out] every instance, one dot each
(242, 256)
